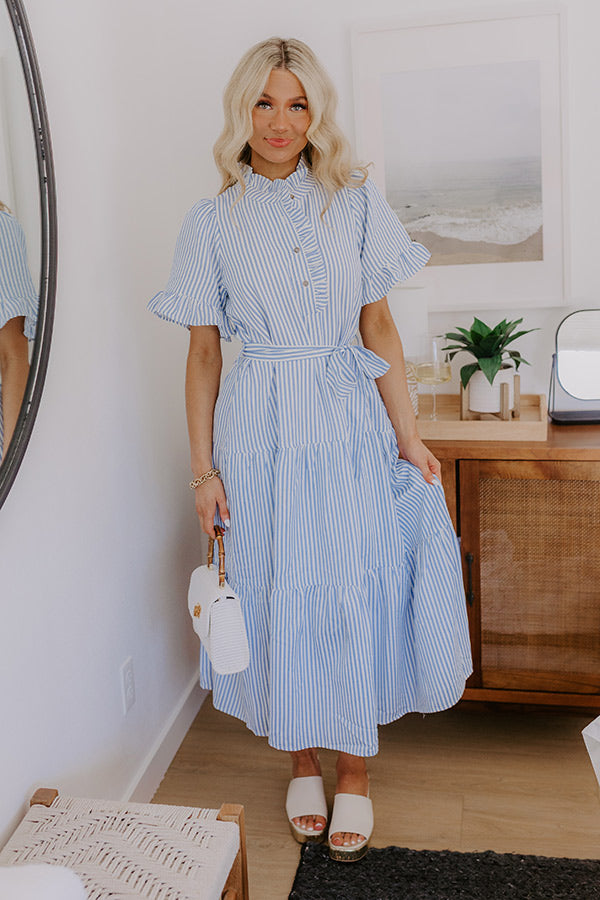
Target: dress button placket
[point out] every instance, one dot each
(307, 250)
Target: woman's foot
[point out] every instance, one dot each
(352, 778)
(305, 763)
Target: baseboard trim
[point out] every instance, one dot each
(151, 772)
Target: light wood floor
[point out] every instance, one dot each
(459, 780)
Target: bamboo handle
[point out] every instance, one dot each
(211, 548)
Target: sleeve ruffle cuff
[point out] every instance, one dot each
(408, 262)
(188, 312)
(20, 306)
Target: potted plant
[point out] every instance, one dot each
(493, 361)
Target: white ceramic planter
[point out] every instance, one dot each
(485, 397)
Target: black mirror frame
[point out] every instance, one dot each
(39, 362)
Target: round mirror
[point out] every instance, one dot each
(578, 354)
(27, 240)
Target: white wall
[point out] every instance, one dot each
(98, 534)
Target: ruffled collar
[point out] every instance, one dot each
(294, 182)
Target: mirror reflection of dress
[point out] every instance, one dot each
(18, 318)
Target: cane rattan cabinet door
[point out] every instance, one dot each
(530, 535)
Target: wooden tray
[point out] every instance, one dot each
(531, 426)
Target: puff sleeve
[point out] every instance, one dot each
(386, 251)
(18, 296)
(195, 294)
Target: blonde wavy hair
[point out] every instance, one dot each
(4, 207)
(327, 152)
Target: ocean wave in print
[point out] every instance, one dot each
(504, 225)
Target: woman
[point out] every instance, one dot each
(341, 551)
(18, 317)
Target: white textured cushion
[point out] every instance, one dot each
(127, 850)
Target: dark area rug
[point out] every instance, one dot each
(395, 873)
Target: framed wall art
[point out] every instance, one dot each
(464, 121)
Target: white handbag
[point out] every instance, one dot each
(217, 614)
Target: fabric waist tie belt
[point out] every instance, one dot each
(343, 361)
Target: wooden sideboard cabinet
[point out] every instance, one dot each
(528, 517)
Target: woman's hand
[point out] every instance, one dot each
(379, 334)
(209, 496)
(415, 451)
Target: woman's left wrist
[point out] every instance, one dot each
(405, 439)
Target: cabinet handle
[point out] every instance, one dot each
(470, 594)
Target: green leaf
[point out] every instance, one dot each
(490, 367)
(510, 326)
(518, 335)
(479, 327)
(490, 345)
(456, 337)
(464, 331)
(454, 347)
(466, 372)
(517, 360)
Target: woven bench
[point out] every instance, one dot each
(139, 850)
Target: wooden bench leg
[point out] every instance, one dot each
(44, 797)
(236, 886)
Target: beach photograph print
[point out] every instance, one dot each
(463, 166)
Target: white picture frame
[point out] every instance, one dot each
(421, 87)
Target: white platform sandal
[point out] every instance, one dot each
(306, 797)
(352, 814)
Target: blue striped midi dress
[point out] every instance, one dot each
(18, 296)
(343, 556)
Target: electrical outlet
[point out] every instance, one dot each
(127, 685)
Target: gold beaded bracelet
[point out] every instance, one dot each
(202, 478)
